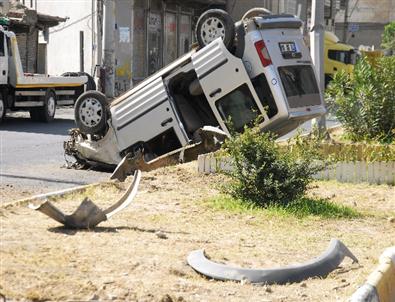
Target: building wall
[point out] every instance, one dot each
(162, 31)
(63, 49)
(366, 21)
(27, 45)
(123, 46)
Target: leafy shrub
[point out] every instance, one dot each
(365, 101)
(388, 41)
(262, 173)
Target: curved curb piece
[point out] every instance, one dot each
(380, 285)
(88, 215)
(319, 267)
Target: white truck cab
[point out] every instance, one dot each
(37, 93)
(264, 69)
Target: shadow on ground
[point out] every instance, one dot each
(24, 124)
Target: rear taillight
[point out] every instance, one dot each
(263, 53)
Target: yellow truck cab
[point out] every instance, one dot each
(338, 56)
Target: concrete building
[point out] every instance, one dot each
(71, 45)
(364, 22)
(146, 34)
(27, 25)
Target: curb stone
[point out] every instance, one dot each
(25, 201)
(380, 285)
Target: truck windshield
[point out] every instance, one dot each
(300, 85)
(238, 107)
(344, 56)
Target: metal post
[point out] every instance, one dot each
(109, 47)
(317, 50)
(99, 45)
(345, 28)
(81, 50)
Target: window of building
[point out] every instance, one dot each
(170, 53)
(154, 30)
(139, 44)
(185, 31)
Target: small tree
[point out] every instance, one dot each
(263, 173)
(365, 102)
(388, 37)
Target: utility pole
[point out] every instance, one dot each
(99, 45)
(317, 51)
(345, 21)
(109, 47)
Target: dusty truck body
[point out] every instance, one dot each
(37, 93)
(266, 71)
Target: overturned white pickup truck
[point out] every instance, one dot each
(258, 66)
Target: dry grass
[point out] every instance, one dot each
(125, 259)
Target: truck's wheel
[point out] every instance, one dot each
(213, 24)
(2, 109)
(46, 113)
(90, 112)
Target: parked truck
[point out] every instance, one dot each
(256, 67)
(337, 56)
(37, 93)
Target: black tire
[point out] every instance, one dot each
(213, 24)
(2, 110)
(90, 85)
(90, 112)
(45, 114)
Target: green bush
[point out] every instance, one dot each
(388, 41)
(365, 101)
(262, 173)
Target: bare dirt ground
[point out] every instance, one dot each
(140, 254)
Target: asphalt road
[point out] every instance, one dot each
(31, 155)
(32, 159)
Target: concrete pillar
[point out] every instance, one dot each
(317, 49)
(109, 47)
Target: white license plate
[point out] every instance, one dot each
(287, 47)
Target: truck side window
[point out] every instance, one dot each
(2, 44)
(9, 48)
(340, 56)
(265, 95)
(238, 107)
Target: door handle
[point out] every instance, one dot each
(4, 72)
(165, 122)
(215, 92)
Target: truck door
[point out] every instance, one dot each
(3, 60)
(227, 86)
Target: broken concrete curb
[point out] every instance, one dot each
(380, 285)
(25, 201)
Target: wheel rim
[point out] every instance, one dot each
(2, 108)
(90, 112)
(51, 105)
(212, 28)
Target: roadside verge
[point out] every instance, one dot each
(25, 201)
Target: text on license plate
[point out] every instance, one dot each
(287, 47)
